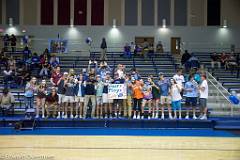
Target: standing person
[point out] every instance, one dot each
(164, 86)
(79, 96)
(137, 98)
(60, 91)
(6, 40)
(8, 75)
(118, 103)
(30, 89)
(52, 102)
(203, 90)
(127, 103)
(107, 103)
(191, 94)
(44, 62)
(99, 93)
(90, 94)
(147, 98)
(179, 78)
(13, 42)
(69, 96)
(176, 98)
(155, 99)
(56, 76)
(40, 98)
(103, 50)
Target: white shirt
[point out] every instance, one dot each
(176, 96)
(204, 94)
(179, 79)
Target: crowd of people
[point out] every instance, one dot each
(68, 94)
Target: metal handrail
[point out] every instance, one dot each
(219, 91)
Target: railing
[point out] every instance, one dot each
(221, 96)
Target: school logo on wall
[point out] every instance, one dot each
(117, 91)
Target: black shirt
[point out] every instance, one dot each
(90, 87)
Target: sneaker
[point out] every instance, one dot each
(194, 117)
(187, 117)
(142, 117)
(37, 116)
(204, 117)
(156, 116)
(200, 116)
(170, 116)
(110, 117)
(153, 116)
(80, 117)
(65, 116)
(180, 117)
(175, 117)
(138, 117)
(76, 116)
(43, 116)
(162, 117)
(149, 117)
(134, 117)
(58, 117)
(101, 117)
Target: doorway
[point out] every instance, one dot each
(176, 45)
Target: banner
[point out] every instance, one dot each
(117, 91)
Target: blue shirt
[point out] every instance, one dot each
(193, 89)
(164, 87)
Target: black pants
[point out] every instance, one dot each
(137, 103)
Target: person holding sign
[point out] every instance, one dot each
(118, 103)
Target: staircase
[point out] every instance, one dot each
(218, 102)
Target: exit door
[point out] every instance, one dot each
(176, 45)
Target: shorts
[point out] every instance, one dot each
(105, 98)
(99, 100)
(165, 100)
(191, 101)
(203, 103)
(79, 99)
(60, 98)
(69, 99)
(176, 105)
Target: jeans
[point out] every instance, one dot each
(93, 100)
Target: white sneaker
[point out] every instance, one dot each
(65, 116)
(153, 116)
(58, 117)
(43, 116)
(180, 117)
(162, 117)
(187, 117)
(170, 116)
(156, 116)
(80, 117)
(76, 116)
(142, 117)
(110, 117)
(149, 117)
(37, 116)
(138, 117)
(134, 117)
(175, 117)
(194, 117)
(204, 117)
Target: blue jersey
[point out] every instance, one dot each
(164, 87)
(193, 89)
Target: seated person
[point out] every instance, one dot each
(6, 100)
(54, 61)
(127, 51)
(26, 54)
(223, 58)
(231, 62)
(159, 47)
(52, 103)
(151, 50)
(35, 60)
(215, 59)
(7, 76)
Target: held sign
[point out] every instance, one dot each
(117, 91)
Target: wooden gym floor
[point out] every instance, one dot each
(118, 148)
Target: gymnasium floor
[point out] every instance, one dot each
(119, 144)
